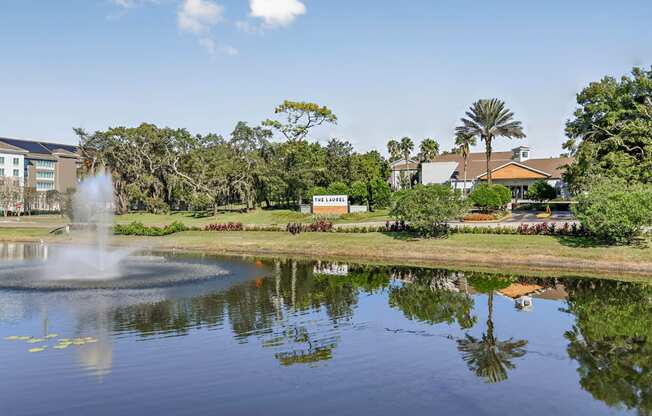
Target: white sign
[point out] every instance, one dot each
(330, 201)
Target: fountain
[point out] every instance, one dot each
(98, 265)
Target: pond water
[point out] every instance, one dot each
(305, 337)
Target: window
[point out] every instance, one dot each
(44, 186)
(524, 155)
(44, 174)
(16, 172)
(2, 171)
(2, 160)
(45, 164)
(16, 161)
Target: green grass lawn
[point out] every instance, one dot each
(520, 253)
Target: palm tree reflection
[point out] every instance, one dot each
(488, 357)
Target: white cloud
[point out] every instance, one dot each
(197, 16)
(277, 12)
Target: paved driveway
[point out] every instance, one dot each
(531, 216)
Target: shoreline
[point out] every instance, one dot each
(534, 255)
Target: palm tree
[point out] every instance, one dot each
(394, 150)
(464, 143)
(429, 150)
(489, 357)
(489, 119)
(406, 146)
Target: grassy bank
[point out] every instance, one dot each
(517, 252)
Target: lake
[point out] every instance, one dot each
(286, 337)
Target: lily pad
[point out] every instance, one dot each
(36, 340)
(37, 349)
(61, 346)
(23, 338)
(50, 336)
(12, 337)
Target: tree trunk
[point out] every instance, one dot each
(488, 153)
(466, 162)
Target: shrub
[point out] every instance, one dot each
(359, 193)
(316, 190)
(321, 226)
(427, 208)
(541, 191)
(489, 197)
(231, 226)
(156, 206)
(615, 212)
(338, 188)
(381, 193)
(138, 228)
(294, 228)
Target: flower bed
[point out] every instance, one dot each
(478, 216)
(230, 226)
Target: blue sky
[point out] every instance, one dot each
(386, 68)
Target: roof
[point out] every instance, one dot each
(515, 170)
(39, 148)
(437, 172)
(553, 166)
(403, 164)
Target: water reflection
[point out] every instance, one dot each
(611, 341)
(487, 356)
(303, 314)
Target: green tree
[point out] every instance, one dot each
(369, 168)
(489, 119)
(407, 146)
(394, 150)
(338, 188)
(298, 118)
(614, 211)
(490, 197)
(428, 149)
(464, 141)
(541, 191)
(427, 208)
(338, 163)
(610, 133)
(316, 190)
(359, 193)
(381, 193)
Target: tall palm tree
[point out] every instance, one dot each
(489, 119)
(406, 146)
(429, 149)
(464, 143)
(489, 357)
(394, 150)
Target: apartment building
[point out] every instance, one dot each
(40, 165)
